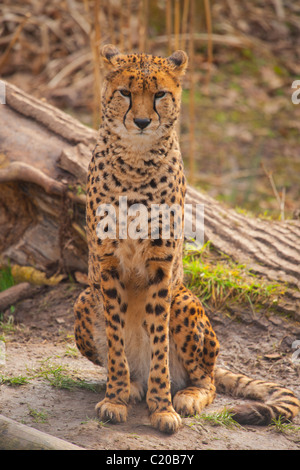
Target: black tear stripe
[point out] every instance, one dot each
(129, 108)
(154, 107)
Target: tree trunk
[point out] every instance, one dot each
(17, 436)
(44, 156)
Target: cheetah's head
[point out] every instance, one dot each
(141, 94)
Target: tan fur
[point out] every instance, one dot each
(136, 317)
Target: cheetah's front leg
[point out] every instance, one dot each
(114, 405)
(159, 400)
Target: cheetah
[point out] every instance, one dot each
(136, 317)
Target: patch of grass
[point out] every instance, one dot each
(100, 424)
(58, 377)
(282, 426)
(8, 326)
(218, 279)
(71, 351)
(220, 418)
(15, 381)
(38, 416)
(6, 278)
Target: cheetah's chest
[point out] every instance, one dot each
(131, 255)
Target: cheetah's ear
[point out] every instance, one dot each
(110, 54)
(178, 61)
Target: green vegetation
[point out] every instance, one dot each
(58, 377)
(38, 416)
(219, 418)
(282, 426)
(8, 326)
(6, 278)
(71, 351)
(14, 381)
(100, 424)
(215, 278)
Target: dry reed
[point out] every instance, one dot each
(126, 24)
(13, 41)
(192, 94)
(176, 23)
(169, 24)
(209, 42)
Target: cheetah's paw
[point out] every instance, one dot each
(166, 421)
(114, 412)
(191, 401)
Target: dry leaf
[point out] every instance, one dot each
(272, 356)
(81, 278)
(34, 276)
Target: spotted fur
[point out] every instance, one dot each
(136, 317)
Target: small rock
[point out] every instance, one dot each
(275, 320)
(272, 356)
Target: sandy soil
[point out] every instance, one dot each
(256, 345)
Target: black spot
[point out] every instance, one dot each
(158, 277)
(157, 242)
(116, 318)
(163, 293)
(123, 308)
(159, 309)
(111, 293)
(149, 308)
(78, 314)
(117, 182)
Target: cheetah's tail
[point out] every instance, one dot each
(273, 400)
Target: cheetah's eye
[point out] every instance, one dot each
(160, 94)
(125, 93)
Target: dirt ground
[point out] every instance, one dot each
(42, 340)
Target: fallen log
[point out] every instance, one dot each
(42, 213)
(17, 436)
(44, 156)
(14, 294)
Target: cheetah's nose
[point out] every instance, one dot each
(142, 123)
